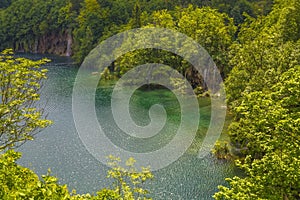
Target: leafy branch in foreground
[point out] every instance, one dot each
(20, 82)
(17, 182)
(128, 181)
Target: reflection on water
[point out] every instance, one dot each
(59, 147)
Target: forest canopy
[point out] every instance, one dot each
(77, 26)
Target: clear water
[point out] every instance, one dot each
(59, 148)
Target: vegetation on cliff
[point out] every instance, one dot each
(263, 92)
(74, 27)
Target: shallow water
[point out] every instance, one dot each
(59, 148)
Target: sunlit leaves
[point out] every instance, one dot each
(275, 176)
(17, 182)
(263, 91)
(264, 50)
(266, 131)
(128, 180)
(20, 82)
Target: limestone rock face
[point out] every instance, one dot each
(59, 43)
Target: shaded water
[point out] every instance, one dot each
(59, 147)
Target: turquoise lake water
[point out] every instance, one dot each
(59, 147)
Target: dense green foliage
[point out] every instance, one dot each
(268, 133)
(260, 58)
(264, 93)
(36, 27)
(91, 22)
(213, 30)
(51, 26)
(5, 3)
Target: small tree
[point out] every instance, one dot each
(20, 82)
(128, 182)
